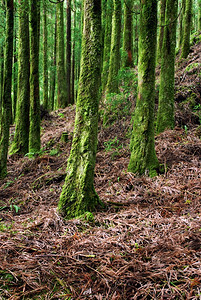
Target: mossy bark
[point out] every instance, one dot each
(107, 43)
(199, 15)
(161, 29)
(21, 138)
(53, 72)
(128, 34)
(15, 73)
(143, 157)
(6, 93)
(165, 116)
(112, 83)
(78, 193)
(61, 75)
(68, 52)
(34, 132)
(1, 78)
(185, 47)
(45, 65)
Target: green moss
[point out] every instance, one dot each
(165, 116)
(143, 157)
(78, 193)
(193, 68)
(185, 47)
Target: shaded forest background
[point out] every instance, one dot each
(146, 243)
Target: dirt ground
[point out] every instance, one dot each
(146, 244)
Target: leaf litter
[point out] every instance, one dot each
(145, 245)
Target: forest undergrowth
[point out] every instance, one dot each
(146, 244)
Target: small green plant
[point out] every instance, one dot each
(54, 152)
(61, 115)
(112, 144)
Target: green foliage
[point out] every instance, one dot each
(54, 152)
(112, 144)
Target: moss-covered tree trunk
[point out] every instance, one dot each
(73, 60)
(165, 116)
(15, 73)
(107, 43)
(53, 71)
(185, 47)
(61, 75)
(45, 54)
(78, 194)
(6, 93)
(143, 157)
(1, 78)
(199, 15)
(162, 4)
(34, 132)
(128, 34)
(181, 21)
(21, 138)
(114, 64)
(68, 52)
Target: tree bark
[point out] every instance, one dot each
(78, 194)
(20, 143)
(128, 34)
(6, 93)
(185, 47)
(143, 158)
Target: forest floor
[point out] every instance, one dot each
(145, 245)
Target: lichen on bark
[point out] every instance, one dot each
(78, 193)
(143, 158)
(6, 92)
(165, 116)
(21, 138)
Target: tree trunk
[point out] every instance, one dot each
(143, 157)
(128, 34)
(6, 93)
(21, 138)
(107, 43)
(61, 75)
(68, 52)
(185, 47)
(161, 29)
(112, 84)
(78, 194)
(45, 66)
(165, 117)
(15, 74)
(34, 132)
(53, 71)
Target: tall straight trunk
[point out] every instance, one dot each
(1, 78)
(165, 117)
(34, 132)
(20, 143)
(61, 75)
(107, 43)
(68, 52)
(15, 72)
(53, 72)
(78, 194)
(112, 83)
(45, 55)
(185, 47)
(181, 21)
(199, 15)
(6, 93)
(73, 59)
(143, 157)
(128, 34)
(161, 29)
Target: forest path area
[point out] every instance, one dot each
(145, 245)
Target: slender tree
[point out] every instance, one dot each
(34, 132)
(53, 70)
(45, 61)
(21, 138)
(78, 194)
(143, 157)
(165, 117)
(68, 52)
(161, 28)
(107, 43)
(185, 46)
(112, 83)
(6, 93)
(60, 66)
(15, 72)
(199, 15)
(73, 58)
(128, 34)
